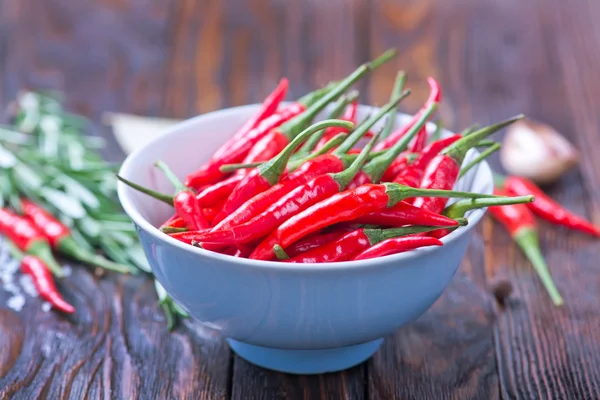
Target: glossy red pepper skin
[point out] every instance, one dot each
(345, 206)
(434, 97)
(219, 191)
(53, 230)
(44, 283)
(273, 141)
(361, 178)
(289, 205)
(397, 245)
(420, 141)
(174, 221)
(235, 149)
(397, 166)
(349, 115)
(211, 212)
(404, 213)
(313, 242)
(341, 249)
(187, 208)
(327, 163)
(441, 173)
(547, 208)
(514, 217)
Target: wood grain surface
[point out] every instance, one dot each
(180, 58)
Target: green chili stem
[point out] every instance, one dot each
(467, 131)
(165, 198)
(344, 178)
(482, 156)
(437, 134)
(460, 208)
(378, 235)
(527, 239)
(272, 169)
(234, 167)
(397, 193)
(280, 253)
(175, 181)
(396, 91)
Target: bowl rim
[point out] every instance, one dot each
(396, 259)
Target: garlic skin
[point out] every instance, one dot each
(536, 151)
(134, 131)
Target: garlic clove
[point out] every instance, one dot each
(134, 131)
(536, 151)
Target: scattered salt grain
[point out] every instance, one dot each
(27, 284)
(16, 303)
(46, 306)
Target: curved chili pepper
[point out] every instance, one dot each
(547, 208)
(298, 199)
(59, 237)
(313, 242)
(234, 149)
(219, 191)
(26, 237)
(434, 98)
(44, 283)
(420, 141)
(402, 214)
(397, 245)
(269, 174)
(374, 170)
(521, 226)
(443, 170)
(336, 161)
(345, 206)
(185, 202)
(173, 222)
(348, 246)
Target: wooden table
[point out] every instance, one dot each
(179, 58)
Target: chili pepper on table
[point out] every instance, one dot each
(329, 163)
(42, 279)
(59, 237)
(397, 245)
(209, 172)
(296, 200)
(442, 171)
(374, 170)
(521, 226)
(267, 175)
(545, 207)
(27, 238)
(434, 98)
(345, 206)
(349, 245)
(277, 139)
(184, 201)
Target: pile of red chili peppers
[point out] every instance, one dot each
(298, 191)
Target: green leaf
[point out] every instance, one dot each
(66, 204)
(138, 257)
(9, 135)
(89, 227)
(75, 189)
(118, 226)
(123, 239)
(7, 158)
(113, 251)
(81, 241)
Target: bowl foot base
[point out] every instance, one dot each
(305, 361)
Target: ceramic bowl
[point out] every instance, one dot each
(295, 318)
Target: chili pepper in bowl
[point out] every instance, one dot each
(27, 238)
(219, 191)
(184, 201)
(328, 163)
(521, 226)
(59, 237)
(349, 245)
(269, 174)
(434, 98)
(443, 170)
(296, 200)
(231, 151)
(402, 214)
(397, 245)
(349, 115)
(42, 278)
(345, 206)
(545, 207)
(484, 154)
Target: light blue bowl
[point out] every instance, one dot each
(294, 318)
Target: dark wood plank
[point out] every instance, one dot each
(449, 351)
(104, 55)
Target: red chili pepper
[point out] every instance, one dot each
(59, 237)
(434, 98)
(397, 245)
(345, 206)
(348, 246)
(443, 170)
(298, 199)
(397, 166)
(282, 136)
(547, 208)
(211, 212)
(268, 174)
(234, 149)
(349, 115)
(174, 222)
(404, 213)
(185, 202)
(374, 170)
(24, 234)
(521, 225)
(219, 191)
(420, 141)
(44, 283)
(313, 242)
